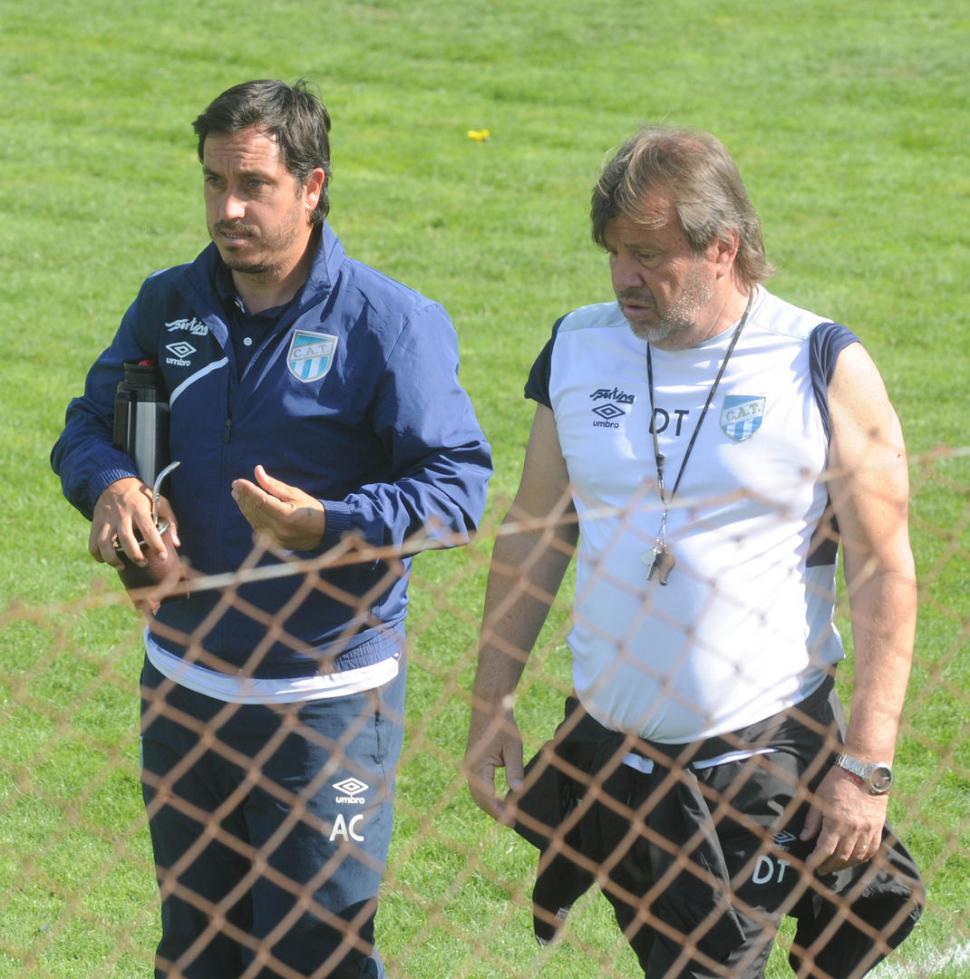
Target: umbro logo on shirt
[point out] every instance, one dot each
(608, 412)
(181, 351)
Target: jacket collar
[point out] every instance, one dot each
(326, 266)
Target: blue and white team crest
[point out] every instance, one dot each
(310, 356)
(741, 415)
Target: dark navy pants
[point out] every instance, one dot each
(270, 827)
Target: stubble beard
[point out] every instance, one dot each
(265, 267)
(681, 316)
(256, 270)
(240, 263)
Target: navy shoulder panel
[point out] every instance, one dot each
(537, 386)
(826, 342)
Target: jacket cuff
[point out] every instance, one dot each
(339, 521)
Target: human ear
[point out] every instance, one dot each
(313, 187)
(725, 252)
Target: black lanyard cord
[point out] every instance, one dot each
(658, 456)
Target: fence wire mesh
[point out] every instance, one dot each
(459, 894)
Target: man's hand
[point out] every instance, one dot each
(848, 822)
(494, 742)
(285, 514)
(123, 513)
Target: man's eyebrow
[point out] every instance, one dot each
(262, 174)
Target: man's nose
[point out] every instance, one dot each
(233, 208)
(626, 272)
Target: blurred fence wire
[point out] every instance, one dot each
(70, 797)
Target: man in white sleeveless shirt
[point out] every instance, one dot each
(707, 446)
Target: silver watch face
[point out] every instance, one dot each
(881, 779)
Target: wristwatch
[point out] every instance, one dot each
(876, 776)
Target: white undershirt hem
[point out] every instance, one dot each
(236, 689)
(645, 765)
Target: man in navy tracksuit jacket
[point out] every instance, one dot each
(313, 401)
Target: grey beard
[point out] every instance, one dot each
(665, 329)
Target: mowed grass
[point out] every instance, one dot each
(849, 124)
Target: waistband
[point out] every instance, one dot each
(785, 729)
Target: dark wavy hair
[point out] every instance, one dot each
(708, 194)
(293, 115)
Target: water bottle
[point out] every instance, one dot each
(141, 429)
(141, 418)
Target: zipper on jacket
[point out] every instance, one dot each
(217, 638)
(230, 385)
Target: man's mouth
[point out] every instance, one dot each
(233, 233)
(635, 303)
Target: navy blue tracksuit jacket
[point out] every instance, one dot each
(353, 397)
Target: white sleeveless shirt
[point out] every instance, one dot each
(744, 628)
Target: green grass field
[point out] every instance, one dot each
(849, 121)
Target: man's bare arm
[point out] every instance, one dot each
(870, 492)
(531, 554)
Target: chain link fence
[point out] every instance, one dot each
(461, 895)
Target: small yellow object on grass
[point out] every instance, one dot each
(478, 135)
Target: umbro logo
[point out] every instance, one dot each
(608, 411)
(181, 350)
(350, 790)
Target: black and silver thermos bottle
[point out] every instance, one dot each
(141, 418)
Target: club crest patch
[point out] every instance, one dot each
(741, 415)
(310, 356)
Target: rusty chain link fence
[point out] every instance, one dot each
(458, 897)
